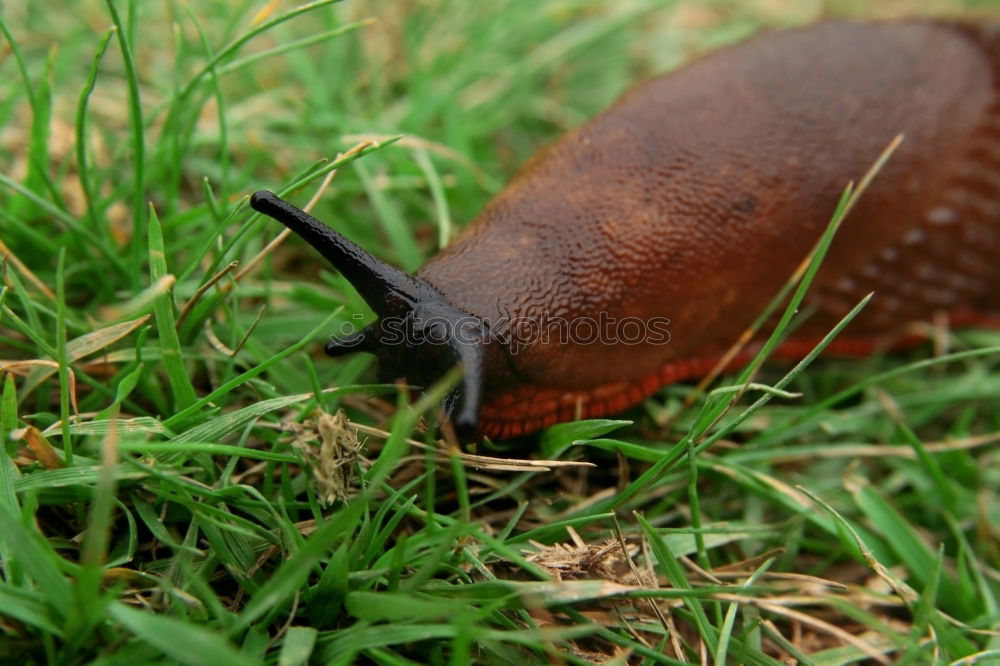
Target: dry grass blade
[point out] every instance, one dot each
(143, 300)
(250, 329)
(221, 347)
(186, 310)
(80, 347)
(264, 12)
(131, 577)
(216, 344)
(886, 450)
(640, 580)
(871, 651)
(38, 446)
(978, 658)
(514, 464)
(50, 368)
(410, 141)
(800, 498)
(799, 579)
(902, 590)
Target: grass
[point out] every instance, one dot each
(175, 485)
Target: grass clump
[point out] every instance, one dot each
(178, 483)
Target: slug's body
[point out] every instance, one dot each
(693, 199)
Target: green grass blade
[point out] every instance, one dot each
(295, 570)
(675, 574)
(318, 38)
(217, 428)
(297, 646)
(37, 558)
(236, 44)
(173, 357)
(63, 357)
(182, 642)
(82, 161)
(911, 549)
(241, 379)
(138, 143)
(25, 607)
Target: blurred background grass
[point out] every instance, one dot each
(475, 89)
(191, 534)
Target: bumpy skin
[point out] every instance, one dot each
(697, 194)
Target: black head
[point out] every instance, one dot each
(419, 335)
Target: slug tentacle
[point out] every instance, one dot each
(419, 335)
(380, 284)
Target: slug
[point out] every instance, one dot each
(634, 251)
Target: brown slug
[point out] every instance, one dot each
(677, 214)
